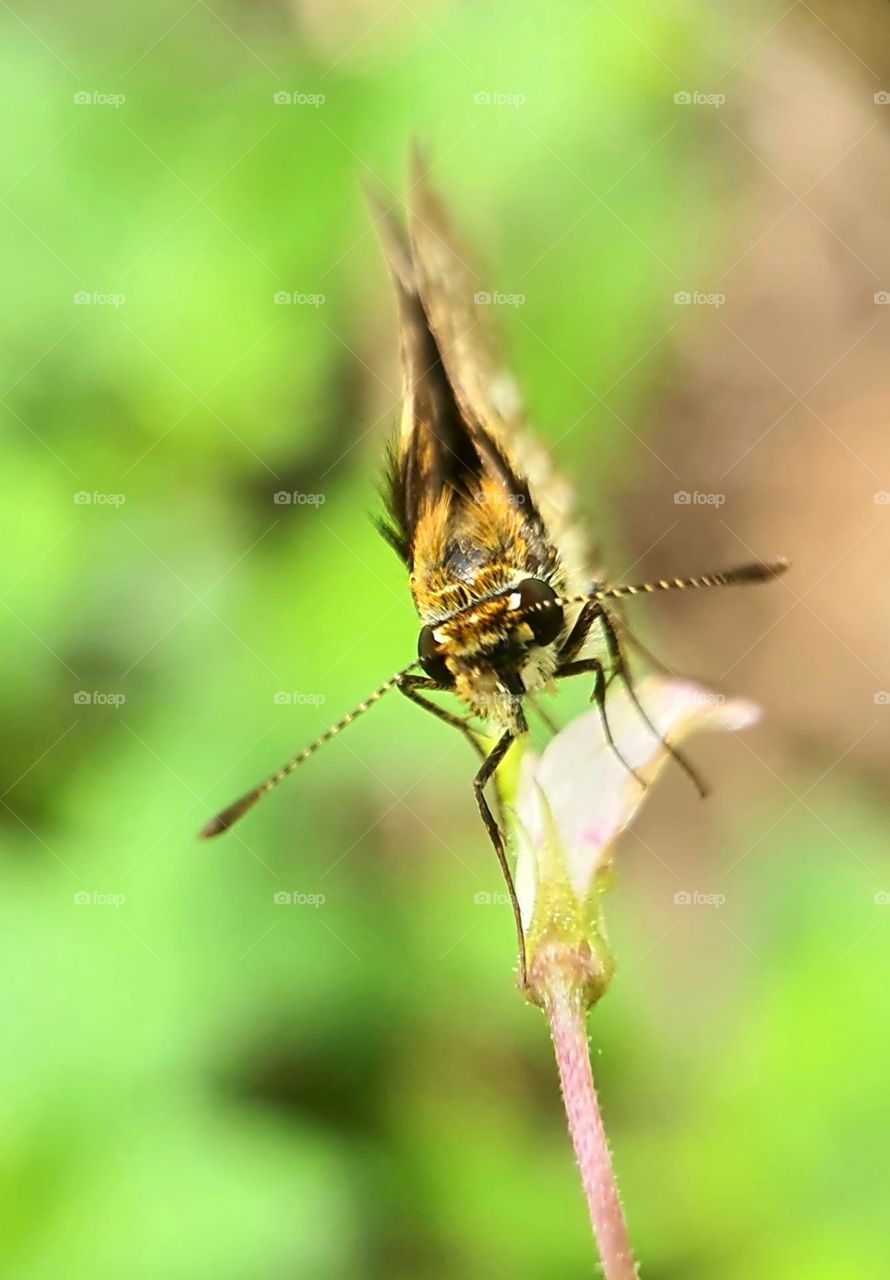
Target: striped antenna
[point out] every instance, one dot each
(230, 815)
(758, 571)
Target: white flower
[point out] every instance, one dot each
(570, 805)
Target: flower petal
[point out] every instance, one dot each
(579, 792)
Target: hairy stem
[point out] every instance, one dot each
(567, 1015)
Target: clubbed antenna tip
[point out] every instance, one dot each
(228, 817)
(216, 826)
(760, 571)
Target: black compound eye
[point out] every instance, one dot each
(546, 623)
(432, 659)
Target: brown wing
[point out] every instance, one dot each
(482, 387)
(461, 424)
(448, 286)
(435, 453)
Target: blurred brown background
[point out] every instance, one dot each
(212, 1076)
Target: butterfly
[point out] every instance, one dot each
(505, 592)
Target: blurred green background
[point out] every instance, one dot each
(200, 1081)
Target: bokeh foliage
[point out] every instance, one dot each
(200, 1082)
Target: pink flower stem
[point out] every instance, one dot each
(566, 1012)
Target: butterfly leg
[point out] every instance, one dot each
(620, 671)
(410, 686)
(583, 667)
(485, 774)
(580, 631)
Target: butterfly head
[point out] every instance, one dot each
(493, 651)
